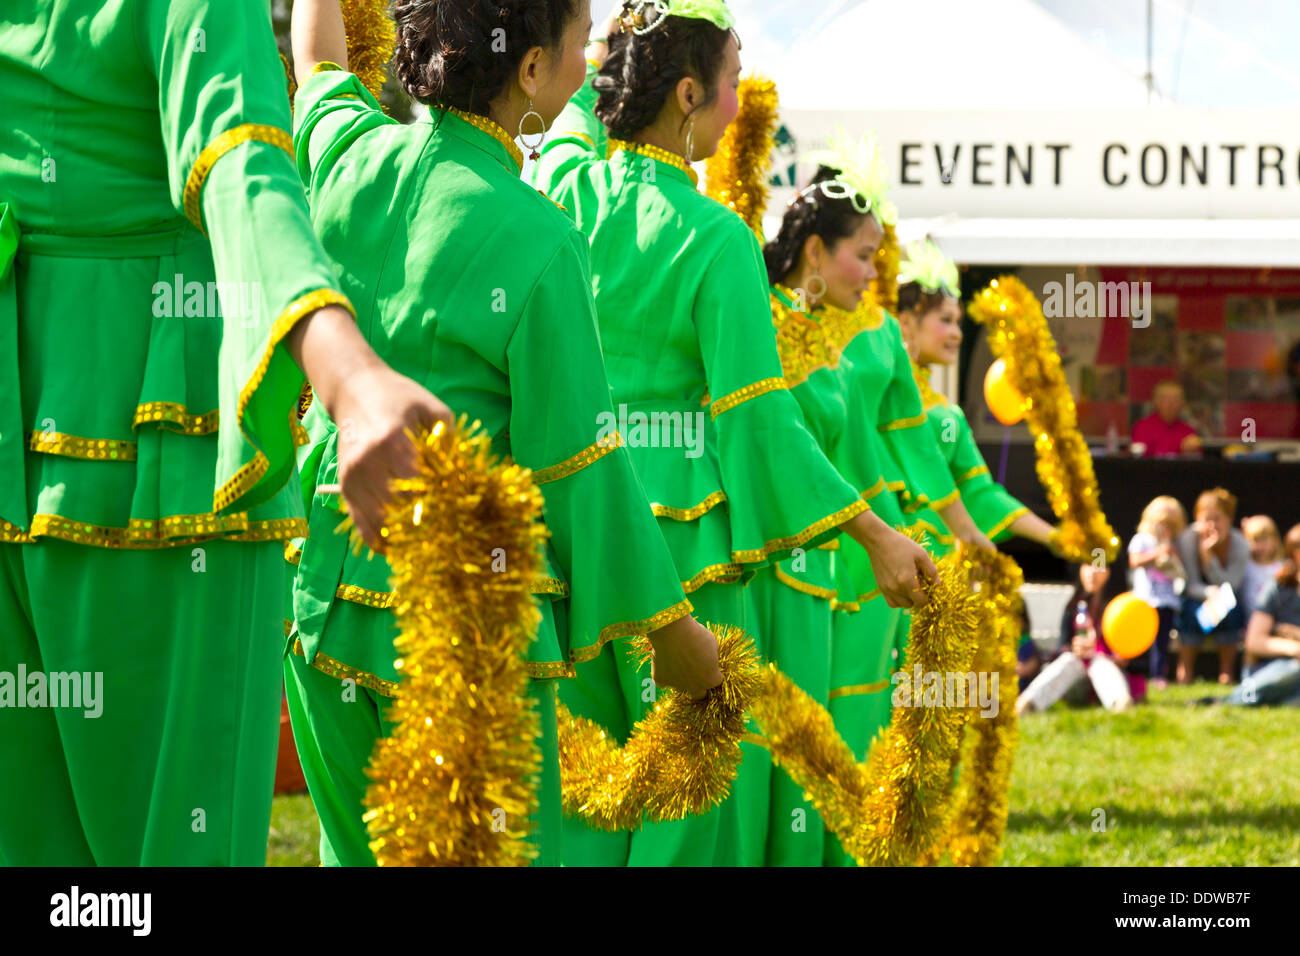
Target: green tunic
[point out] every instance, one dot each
(478, 287)
(734, 476)
(155, 249)
(991, 508)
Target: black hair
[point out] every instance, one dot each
(450, 53)
(919, 301)
(811, 214)
(642, 71)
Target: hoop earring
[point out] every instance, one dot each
(532, 148)
(808, 283)
(690, 142)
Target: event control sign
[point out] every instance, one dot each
(1096, 164)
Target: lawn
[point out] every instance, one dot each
(1175, 785)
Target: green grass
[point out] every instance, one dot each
(1179, 785)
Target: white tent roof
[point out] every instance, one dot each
(936, 54)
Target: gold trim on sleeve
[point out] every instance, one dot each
(1006, 522)
(803, 587)
(151, 534)
(380, 600)
(167, 414)
(292, 554)
(218, 148)
(726, 573)
(251, 472)
(742, 395)
(793, 541)
(691, 513)
(859, 689)
(971, 473)
(934, 532)
(902, 423)
(340, 671)
(547, 585)
(946, 500)
(614, 632)
(581, 460)
(74, 446)
(874, 490)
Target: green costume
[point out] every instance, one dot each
(990, 506)
(155, 250)
(734, 477)
(867, 631)
(479, 288)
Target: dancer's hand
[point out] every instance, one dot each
(899, 563)
(685, 657)
(373, 407)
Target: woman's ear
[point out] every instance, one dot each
(688, 94)
(814, 251)
(530, 71)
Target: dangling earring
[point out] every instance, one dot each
(532, 148)
(690, 142)
(808, 283)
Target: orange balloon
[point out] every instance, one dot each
(1004, 400)
(1129, 625)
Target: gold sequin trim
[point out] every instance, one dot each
(549, 670)
(292, 554)
(654, 152)
(803, 587)
(898, 423)
(166, 414)
(74, 446)
(727, 573)
(895, 485)
(614, 632)
(929, 397)
(809, 342)
(493, 130)
(341, 671)
(793, 541)
(934, 532)
(147, 535)
(581, 460)
(874, 490)
(847, 607)
(218, 148)
(364, 596)
(832, 545)
(546, 585)
(251, 473)
(688, 514)
(946, 500)
(1006, 522)
(859, 689)
(971, 473)
(323, 66)
(742, 395)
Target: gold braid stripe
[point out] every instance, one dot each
(803, 587)
(853, 689)
(847, 607)
(341, 671)
(931, 530)
(493, 130)
(971, 473)
(726, 573)
(813, 530)
(570, 466)
(946, 500)
(164, 414)
(902, 423)
(74, 446)
(364, 596)
(623, 629)
(145, 535)
(218, 148)
(654, 152)
(742, 395)
(895, 485)
(1006, 522)
(874, 490)
(545, 585)
(832, 545)
(688, 514)
(247, 476)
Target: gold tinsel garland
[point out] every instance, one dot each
(885, 284)
(1018, 334)
(887, 810)
(372, 38)
(736, 175)
(680, 759)
(453, 784)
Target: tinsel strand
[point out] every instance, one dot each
(737, 174)
(372, 39)
(885, 285)
(680, 759)
(1019, 335)
(453, 785)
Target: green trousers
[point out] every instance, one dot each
(336, 726)
(613, 692)
(861, 663)
(173, 761)
(781, 827)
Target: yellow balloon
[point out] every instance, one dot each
(1129, 625)
(1004, 400)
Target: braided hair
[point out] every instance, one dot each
(811, 214)
(462, 53)
(642, 71)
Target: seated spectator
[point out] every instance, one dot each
(1215, 554)
(1028, 659)
(1273, 636)
(1164, 432)
(1265, 562)
(1158, 575)
(1084, 655)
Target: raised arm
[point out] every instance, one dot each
(316, 33)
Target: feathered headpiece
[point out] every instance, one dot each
(862, 176)
(928, 267)
(715, 11)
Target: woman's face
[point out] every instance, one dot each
(848, 265)
(1093, 578)
(1212, 516)
(562, 70)
(712, 121)
(938, 334)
